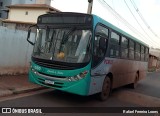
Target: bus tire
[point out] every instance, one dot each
(135, 83)
(106, 89)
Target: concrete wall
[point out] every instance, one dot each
(15, 51)
(16, 14)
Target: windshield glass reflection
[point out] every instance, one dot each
(66, 45)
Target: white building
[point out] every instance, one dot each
(23, 15)
(4, 10)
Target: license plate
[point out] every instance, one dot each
(49, 82)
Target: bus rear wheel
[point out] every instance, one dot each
(135, 83)
(106, 89)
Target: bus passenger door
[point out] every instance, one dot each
(98, 71)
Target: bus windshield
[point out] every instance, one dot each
(69, 45)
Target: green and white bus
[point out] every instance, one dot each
(84, 54)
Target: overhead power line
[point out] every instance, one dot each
(118, 16)
(142, 18)
(138, 21)
(121, 19)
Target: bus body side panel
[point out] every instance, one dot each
(98, 75)
(123, 71)
(143, 68)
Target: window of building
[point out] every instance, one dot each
(26, 13)
(124, 47)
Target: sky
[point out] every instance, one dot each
(148, 9)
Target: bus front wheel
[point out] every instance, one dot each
(106, 89)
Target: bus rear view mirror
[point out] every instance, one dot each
(31, 32)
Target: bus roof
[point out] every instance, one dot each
(97, 19)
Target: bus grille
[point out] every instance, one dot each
(53, 66)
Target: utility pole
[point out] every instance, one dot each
(90, 4)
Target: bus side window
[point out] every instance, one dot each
(124, 47)
(131, 49)
(100, 44)
(142, 53)
(137, 52)
(114, 45)
(146, 54)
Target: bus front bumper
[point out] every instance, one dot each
(80, 87)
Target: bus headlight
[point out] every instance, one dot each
(78, 77)
(35, 72)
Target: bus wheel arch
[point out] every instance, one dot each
(106, 87)
(136, 79)
(110, 75)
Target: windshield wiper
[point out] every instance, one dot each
(51, 42)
